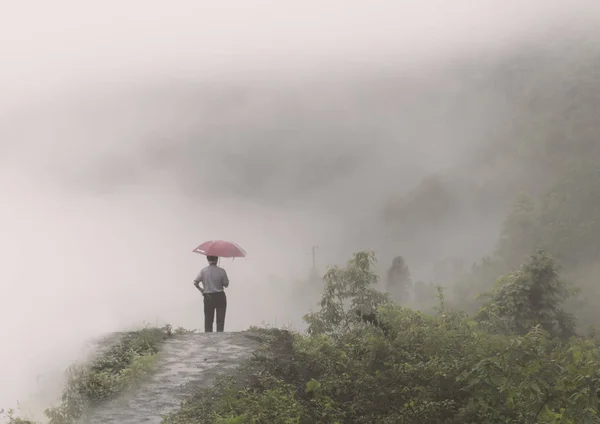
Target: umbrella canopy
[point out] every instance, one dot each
(221, 248)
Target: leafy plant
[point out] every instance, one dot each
(11, 418)
(367, 360)
(115, 370)
(413, 367)
(532, 295)
(536, 379)
(348, 295)
(128, 361)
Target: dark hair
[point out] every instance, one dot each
(212, 259)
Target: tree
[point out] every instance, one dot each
(399, 282)
(521, 231)
(569, 215)
(348, 295)
(532, 295)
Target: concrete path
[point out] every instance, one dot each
(185, 362)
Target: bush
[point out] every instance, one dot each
(405, 366)
(348, 296)
(123, 364)
(532, 295)
(367, 360)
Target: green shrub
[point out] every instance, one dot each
(123, 364)
(348, 295)
(410, 367)
(532, 295)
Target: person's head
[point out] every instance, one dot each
(212, 260)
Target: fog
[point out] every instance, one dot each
(130, 133)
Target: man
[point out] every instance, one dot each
(214, 280)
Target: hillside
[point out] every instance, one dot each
(142, 376)
(544, 143)
(364, 359)
(437, 151)
(186, 364)
(490, 167)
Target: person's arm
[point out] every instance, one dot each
(197, 282)
(225, 279)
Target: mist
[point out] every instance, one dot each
(131, 133)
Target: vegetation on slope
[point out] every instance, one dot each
(367, 360)
(542, 143)
(562, 221)
(123, 364)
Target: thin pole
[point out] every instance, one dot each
(314, 256)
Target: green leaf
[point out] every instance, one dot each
(312, 386)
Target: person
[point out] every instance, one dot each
(214, 280)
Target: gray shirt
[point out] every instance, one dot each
(213, 279)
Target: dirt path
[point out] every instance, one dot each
(185, 362)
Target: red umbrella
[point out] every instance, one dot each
(221, 248)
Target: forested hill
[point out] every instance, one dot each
(518, 356)
(543, 162)
(440, 149)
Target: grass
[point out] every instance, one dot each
(123, 364)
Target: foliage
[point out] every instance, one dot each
(520, 234)
(583, 304)
(424, 295)
(11, 418)
(467, 291)
(536, 379)
(357, 376)
(275, 403)
(410, 367)
(569, 214)
(366, 360)
(399, 282)
(347, 296)
(533, 295)
(251, 395)
(428, 203)
(563, 220)
(123, 364)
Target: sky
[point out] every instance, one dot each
(132, 131)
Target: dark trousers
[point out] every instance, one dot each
(214, 302)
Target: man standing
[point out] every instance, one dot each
(214, 280)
